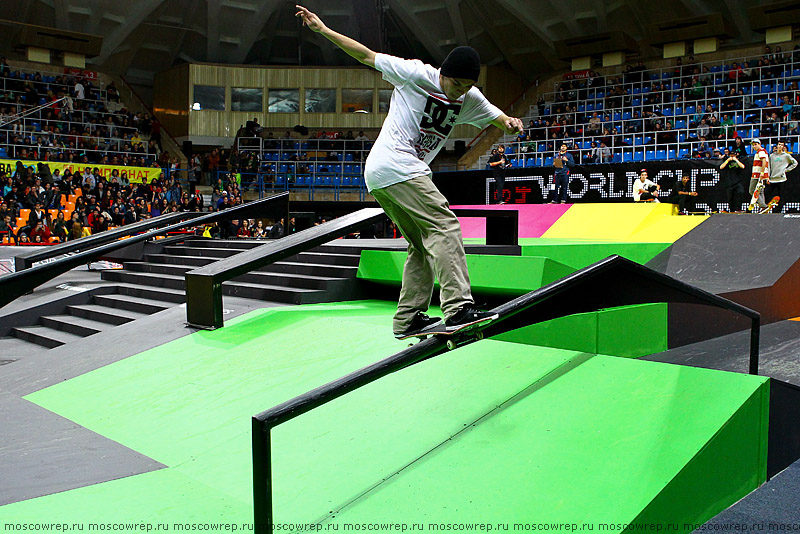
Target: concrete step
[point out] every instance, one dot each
(237, 244)
(168, 296)
(79, 326)
(313, 269)
(44, 336)
(174, 259)
(327, 258)
(205, 252)
(129, 302)
(277, 293)
(103, 314)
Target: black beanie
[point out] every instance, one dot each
(462, 62)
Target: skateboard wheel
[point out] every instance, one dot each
(451, 344)
(478, 335)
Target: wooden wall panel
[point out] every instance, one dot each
(171, 94)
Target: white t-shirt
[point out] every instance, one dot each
(420, 119)
(80, 92)
(639, 186)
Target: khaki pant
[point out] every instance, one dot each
(435, 249)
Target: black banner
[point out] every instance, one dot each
(611, 182)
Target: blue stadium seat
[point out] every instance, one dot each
(581, 108)
(530, 162)
(637, 102)
(648, 139)
(548, 162)
(627, 157)
(690, 110)
(638, 156)
(667, 111)
(600, 94)
(715, 68)
(683, 153)
(626, 115)
(617, 116)
(680, 123)
(678, 110)
(661, 154)
(649, 155)
(637, 140)
(671, 154)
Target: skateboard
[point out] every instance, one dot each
(756, 194)
(770, 205)
(467, 332)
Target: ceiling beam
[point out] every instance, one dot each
(453, 7)
(212, 33)
(252, 28)
(413, 21)
(138, 14)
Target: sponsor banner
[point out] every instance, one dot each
(579, 74)
(134, 174)
(85, 74)
(608, 183)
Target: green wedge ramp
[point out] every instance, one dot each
(496, 274)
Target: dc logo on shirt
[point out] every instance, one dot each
(441, 116)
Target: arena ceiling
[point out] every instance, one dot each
(142, 37)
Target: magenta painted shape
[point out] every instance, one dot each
(534, 219)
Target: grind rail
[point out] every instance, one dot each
(611, 282)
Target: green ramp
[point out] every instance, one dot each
(494, 274)
(629, 331)
(493, 431)
(579, 253)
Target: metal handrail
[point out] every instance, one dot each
(204, 285)
(14, 285)
(607, 283)
(25, 261)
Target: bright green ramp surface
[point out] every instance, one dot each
(492, 432)
(629, 331)
(496, 274)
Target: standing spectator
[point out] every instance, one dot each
(559, 189)
(780, 162)
(498, 162)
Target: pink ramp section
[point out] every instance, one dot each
(534, 219)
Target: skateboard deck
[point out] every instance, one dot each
(770, 205)
(756, 194)
(472, 331)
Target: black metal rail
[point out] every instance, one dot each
(24, 261)
(614, 281)
(204, 285)
(16, 284)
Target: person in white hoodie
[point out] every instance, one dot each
(780, 163)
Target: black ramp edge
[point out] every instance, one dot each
(779, 355)
(44, 453)
(733, 252)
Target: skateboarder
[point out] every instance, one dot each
(760, 172)
(426, 104)
(644, 189)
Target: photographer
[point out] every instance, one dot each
(499, 163)
(731, 177)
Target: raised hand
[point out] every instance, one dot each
(310, 19)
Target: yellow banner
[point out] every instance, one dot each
(134, 174)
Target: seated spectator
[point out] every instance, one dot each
(42, 231)
(605, 153)
(682, 194)
(7, 229)
(645, 190)
(703, 149)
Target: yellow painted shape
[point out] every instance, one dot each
(635, 222)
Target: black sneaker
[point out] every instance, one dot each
(467, 316)
(421, 324)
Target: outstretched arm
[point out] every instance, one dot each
(510, 125)
(350, 46)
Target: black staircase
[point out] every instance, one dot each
(325, 274)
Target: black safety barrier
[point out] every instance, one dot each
(24, 261)
(204, 285)
(611, 282)
(16, 284)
